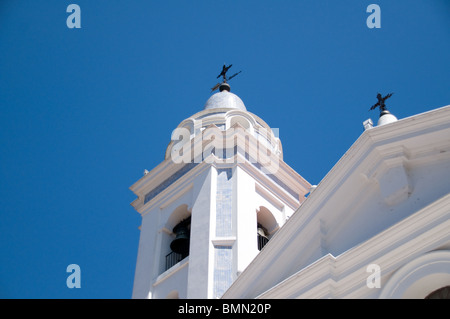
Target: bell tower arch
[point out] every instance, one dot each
(205, 205)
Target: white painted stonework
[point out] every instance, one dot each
(225, 194)
(385, 205)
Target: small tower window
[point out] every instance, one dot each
(180, 245)
(263, 236)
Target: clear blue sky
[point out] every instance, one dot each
(84, 111)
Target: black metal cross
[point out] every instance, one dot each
(380, 102)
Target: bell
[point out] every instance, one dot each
(262, 236)
(262, 231)
(180, 244)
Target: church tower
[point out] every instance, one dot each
(219, 196)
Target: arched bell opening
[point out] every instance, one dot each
(263, 236)
(180, 245)
(176, 235)
(266, 226)
(182, 231)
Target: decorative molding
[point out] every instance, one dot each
(380, 150)
(419, 277)
(223, 241)
(267, 195)
(418, 234)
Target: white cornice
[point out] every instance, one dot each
(246, 143)
(345, 276)
(163, 169)
(285, 174)
(374, 146)
(172, 191)
(430, 120)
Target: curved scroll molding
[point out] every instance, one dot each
(418, 278)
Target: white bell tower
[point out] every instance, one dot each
(221, 193)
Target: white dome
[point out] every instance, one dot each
(386, 118)
(224, 99)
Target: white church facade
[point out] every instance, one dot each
(223, 216)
